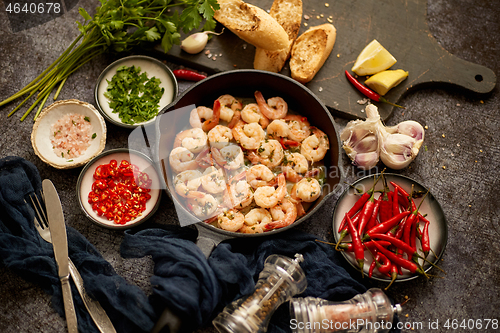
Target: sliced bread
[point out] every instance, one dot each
(310, 51)
(288, 13)
(252, 24)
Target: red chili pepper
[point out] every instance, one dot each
(397, 243)
(426, 246)
(373, 219)
(407, 264)
(368, 92)
(382, 228)
(186, 74)
(383, 264)
(395, 203)
(366, 213)
(344, 232)
(357, 206)
(404, 194)
(411, 222)
(394, 274)
(372, 267)
(385, 211)
(359, 252)
(349, 247)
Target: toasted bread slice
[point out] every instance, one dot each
(288, 13)
(310, 51)
(252, 24)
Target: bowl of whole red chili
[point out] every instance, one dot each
(390, 228)
(119, 189)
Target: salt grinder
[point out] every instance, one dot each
(371, 312)
(279, 281)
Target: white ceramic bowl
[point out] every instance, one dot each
(86, 179)
(42, 133)
(438, 228)
(152, 67)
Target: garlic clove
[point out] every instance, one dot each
(410, 128)
(194, 43)
(366, 161)
(398, 150)
(367, 144)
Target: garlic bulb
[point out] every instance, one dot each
(401, 144)
(361, 141)
(365, 141)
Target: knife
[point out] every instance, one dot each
(95, 309)
(60, 243)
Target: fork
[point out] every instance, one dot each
(93, 307)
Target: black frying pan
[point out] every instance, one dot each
(243, 84)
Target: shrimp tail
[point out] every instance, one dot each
(211, 123)
(277, 224)
(236, 118)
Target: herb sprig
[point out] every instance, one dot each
(118, 25)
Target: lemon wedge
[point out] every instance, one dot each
(373, 59)
(384, 81)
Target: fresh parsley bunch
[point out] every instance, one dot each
(118, 25)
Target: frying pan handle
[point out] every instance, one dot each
(207, 239)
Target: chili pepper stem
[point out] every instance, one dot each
(342, 235)
(383, 100)
(393, 278)
(361, 263)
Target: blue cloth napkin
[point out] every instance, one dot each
(192, 287)
(196, 289)
(23, 251)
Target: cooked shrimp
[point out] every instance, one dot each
(275, 108)
(270, 153)
(248, 136)
(212, 122)
(307, 190)
(182, 159)
(199, 115)
(299, 127)
(284, 214)
(229, 106)
(187, 181)
(294, 165)
(268, 196)
(219, 136)
(203, 206)
(204, 158)
(239, 193)
(213, 180)
(193, 139)
(314, 147)
(230, 157)
(278, 129)
(255, 221)
(236, 118)
(251, 114)
(231, 220)
(259, 175)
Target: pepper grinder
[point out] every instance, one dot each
(279, 281)
(371, 312)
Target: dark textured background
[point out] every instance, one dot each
(462, 135)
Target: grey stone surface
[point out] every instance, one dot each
(462, 136)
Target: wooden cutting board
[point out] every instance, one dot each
(399, 25)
